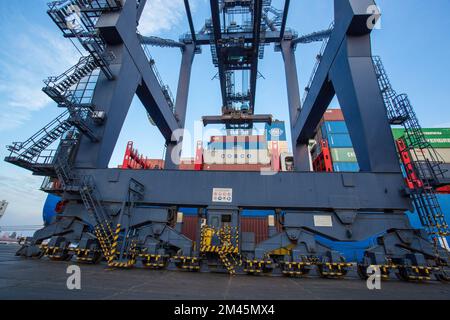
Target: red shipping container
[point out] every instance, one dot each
(190, 226)
(154, 163)
(186, 166)
(333, 115)
(259, 226)
(444, 190)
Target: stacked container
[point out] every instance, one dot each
(244, 152)
(439, 139)
(333, 129)
(276, 131)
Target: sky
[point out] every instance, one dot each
(412, 41)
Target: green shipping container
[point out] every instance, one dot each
(437, 137)
(343, 155)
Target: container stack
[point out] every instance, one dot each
(236, 153)
(333, 129)
(276, 131)
(439, 139)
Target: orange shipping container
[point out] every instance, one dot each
(333, 115)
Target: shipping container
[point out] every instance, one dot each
(237, 145)
(333, 115)
(340, 140)
(252, 138)
(346, 167)
(283, 146)
(335, 127)
(437, 137)
(235, 167)
(49, 210)
(343, 155)
(236, 157)
(276, 131)
(190, 226)
(154, 164)
(442, 154)
(259, 225)
(186, 166)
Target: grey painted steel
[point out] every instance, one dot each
(257, 13)
(140, 9)
(300, 151)
(181, 100)
(346, 69)
(133, 74)
(301, 190)
(160, 42)
(237, 119)
(284, 20)
(271, 37)
(191, 22)
(312, 37)
(217, 36)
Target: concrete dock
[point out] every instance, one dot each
(22, 278)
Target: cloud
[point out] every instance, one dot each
(21, 190)
(32, 54)
(163, 15)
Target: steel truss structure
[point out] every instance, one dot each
(130, 216)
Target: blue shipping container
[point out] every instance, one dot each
(48, 212)
(336, 127)
(276, 131)
(345, 167)
(339, 140)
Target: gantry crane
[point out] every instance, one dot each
(131, 216)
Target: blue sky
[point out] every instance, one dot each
(413, 42)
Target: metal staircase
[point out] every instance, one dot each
(77, 19)
(58, 87)
(62, 90)
(420, 161)
(427, 161)
(27, 154)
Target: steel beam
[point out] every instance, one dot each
(237, 119)
(300, 151)
(287, 190)
(140, 9)
(134, 75)
(160, 42)
(283, 22)
(257, 15)
(181, 100)
(313, 37)
(270, 37)
(347, 71)
(217, 37)
(191, 22)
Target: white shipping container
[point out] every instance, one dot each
(444, 154)
(236, 156)
(283, 146)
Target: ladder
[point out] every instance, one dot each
(420, 161)
(85, 185)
